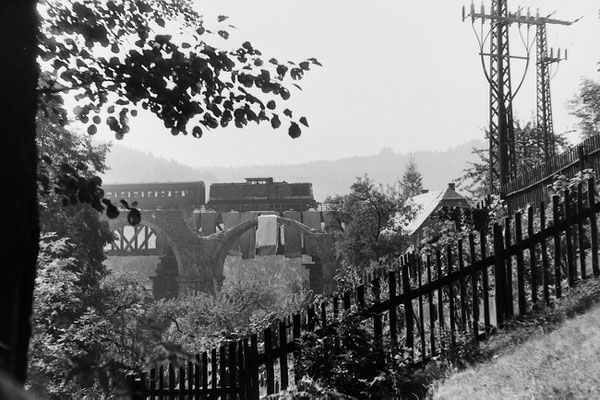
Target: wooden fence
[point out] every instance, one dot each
(532, 188)
(419, 306)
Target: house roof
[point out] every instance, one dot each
(427, 203)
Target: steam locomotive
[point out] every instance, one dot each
(255, 194)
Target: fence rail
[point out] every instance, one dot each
(419, 306)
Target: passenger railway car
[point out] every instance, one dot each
(258, 194)
(153, 195)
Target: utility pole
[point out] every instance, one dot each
(544, 105)
(502, 137)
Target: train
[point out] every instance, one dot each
(255, 194)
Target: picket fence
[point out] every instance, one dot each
(531, 188)
(417, 306)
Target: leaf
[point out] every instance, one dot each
(112, 211)
(303, 121)
(197, 132)
(125, 204)
(281, 70)
(222, 18)
(287, 112)
(186, 45)
(134, 217)
(160, 22)
(271, 105)
(314, 61)
(224, 34)
(305, 65)
(296, 73)
(294, 130)
(275, 122)
(92, 130)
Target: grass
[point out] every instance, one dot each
(549, 354)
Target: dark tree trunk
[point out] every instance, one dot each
(18, 161)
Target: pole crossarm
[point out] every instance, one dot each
(512, 18)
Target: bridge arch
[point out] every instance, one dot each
(228, 237)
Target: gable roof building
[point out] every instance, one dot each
(428, 203)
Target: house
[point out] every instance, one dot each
(428, 204)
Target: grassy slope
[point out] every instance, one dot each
(552, 354)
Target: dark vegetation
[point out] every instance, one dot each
(188, 84)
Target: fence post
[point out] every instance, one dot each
(392, 312)
(283, 355)
(408, 315)
(593, 225)
(499, 278)
(571, 271)
(377, 322)
(581, 156)
(268, 342)
(557, 247)
(520, 265)
(508, 270)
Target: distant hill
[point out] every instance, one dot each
(437, 168)
(133, 166)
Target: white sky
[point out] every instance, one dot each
(398, 74)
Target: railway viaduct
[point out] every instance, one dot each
(191, 262)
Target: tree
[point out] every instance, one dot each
(183, 84)
(586, 106)
(411, 183)
(70, 266)
(529, 149)
(368, 222)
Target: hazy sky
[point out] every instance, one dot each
(398, 74)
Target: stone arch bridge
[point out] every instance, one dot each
(191, 262)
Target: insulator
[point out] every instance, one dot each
(463, 12)
(565, 54)
(551, 52)
(558, 56)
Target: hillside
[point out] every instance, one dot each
(328, 177)
(551, 354)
